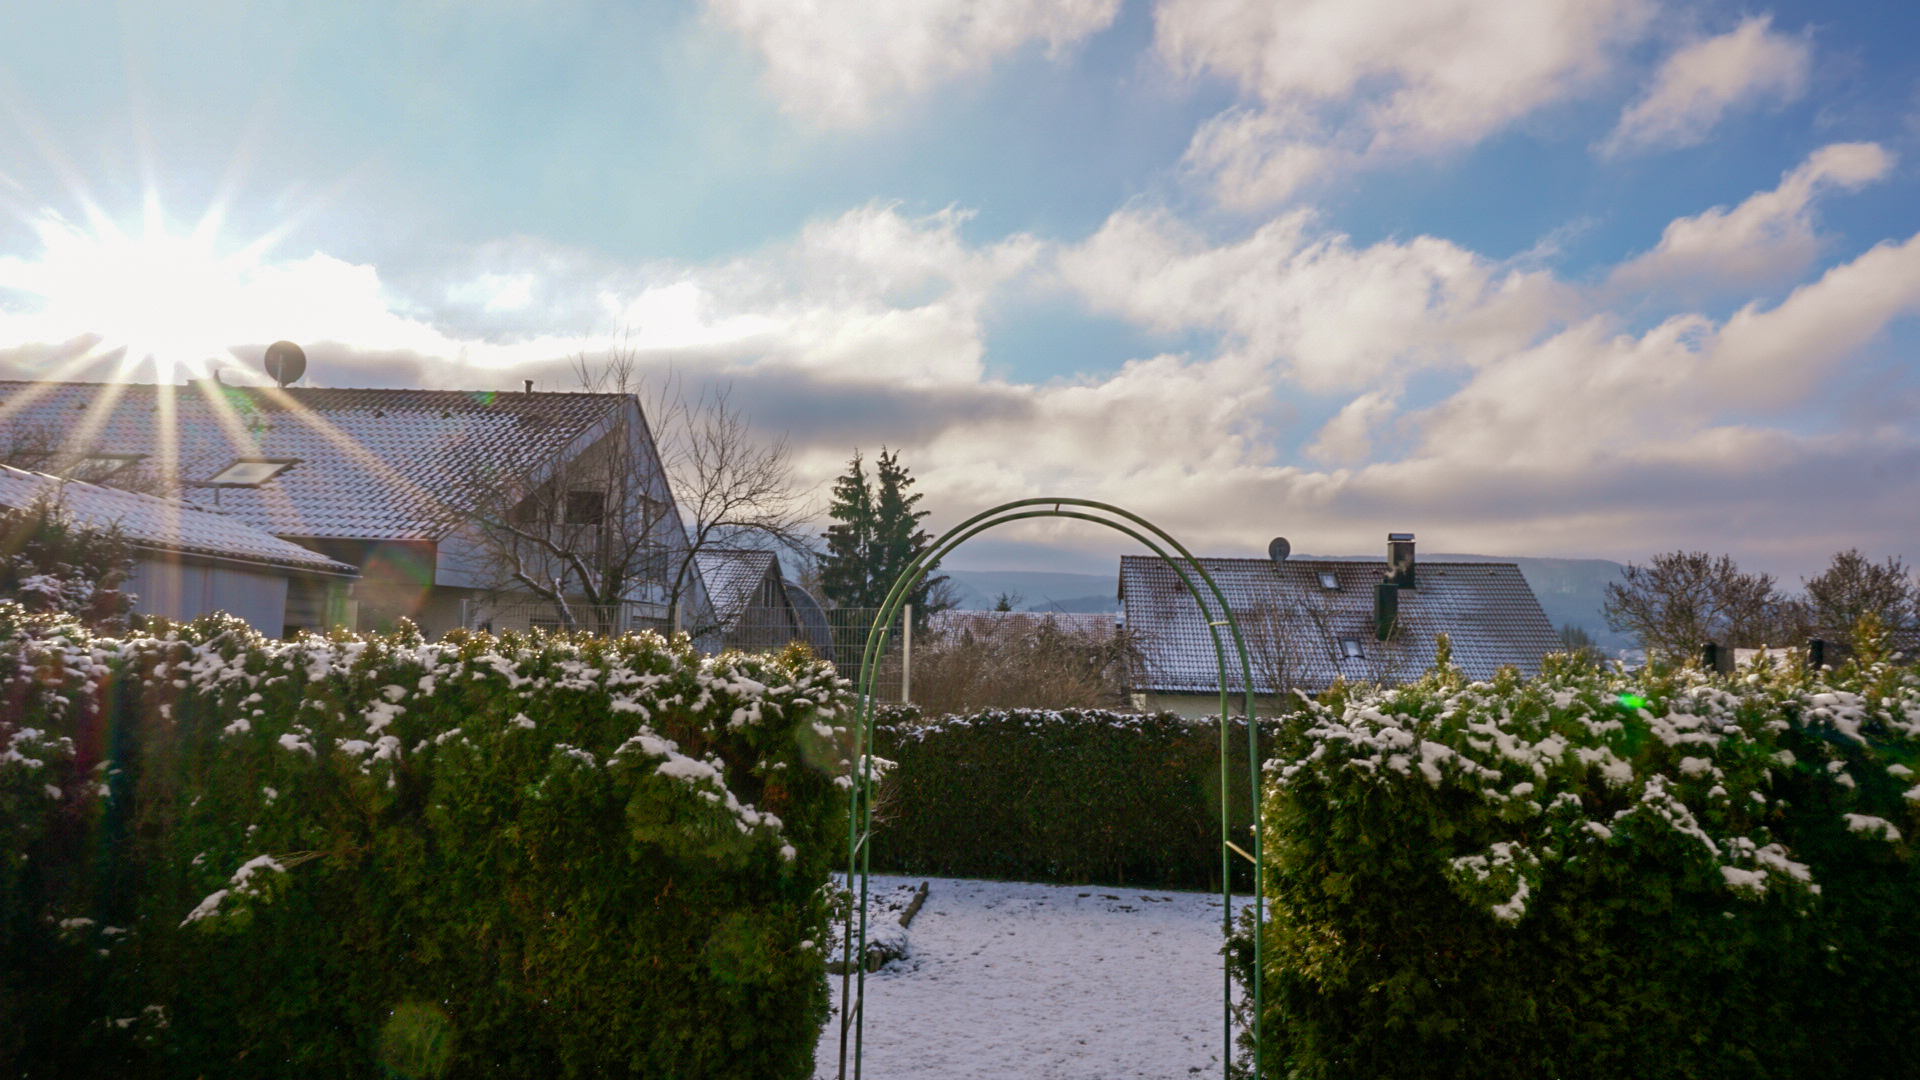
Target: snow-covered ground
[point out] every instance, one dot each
(1044, 981)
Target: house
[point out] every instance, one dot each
(754, 606)
(1310, 621)
(190, 561)
(390, 482)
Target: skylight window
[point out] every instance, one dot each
(251, 472)
(1329, 580)
(1350, 649)
(96, 467)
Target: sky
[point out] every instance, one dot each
(1580, 278)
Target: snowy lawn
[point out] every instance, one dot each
(1046, 981)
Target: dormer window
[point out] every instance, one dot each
(1329, 581)
(252, 472)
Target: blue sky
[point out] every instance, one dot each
(1579, 277)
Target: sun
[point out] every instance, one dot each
(157, 296)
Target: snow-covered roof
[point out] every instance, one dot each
(162, 524)
(369, 464)
(732, 576)
(1292, 619)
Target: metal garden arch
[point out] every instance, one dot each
(1213, 605)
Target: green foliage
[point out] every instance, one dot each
(50, 564)
(876, 535)
(525, 856)
(1077, 796)
(1597, 874)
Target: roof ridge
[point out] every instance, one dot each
(450, 390)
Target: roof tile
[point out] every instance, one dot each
(167, 524)
(373, 464)
(1294, 626)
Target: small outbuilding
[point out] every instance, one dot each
(754, 606)
(191, 561)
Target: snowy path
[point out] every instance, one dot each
(1050, 982)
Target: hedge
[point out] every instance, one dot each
(1598, 874)
(1075, 796)
(363, 856)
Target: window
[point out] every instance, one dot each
(527, 512)
(1329, 580)
(586, 507)
(251, 472)
(1350, 649)
(97, 467)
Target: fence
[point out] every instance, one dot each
(605, 620)
(835, 634)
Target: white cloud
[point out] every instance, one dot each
(843, 61)
(1768, 237)
(1697, 85)
(1478, 404)
(1311, 305)
(1348, 437)
(1588, 404)
(1346, 82)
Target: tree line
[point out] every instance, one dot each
(1679, 601)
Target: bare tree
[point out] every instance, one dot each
(1286, 639)
(604, 527)
(1852, 586)
(583, 540)
(1008, 659)
(1575, 641)
(733, 489)
(1683, 599)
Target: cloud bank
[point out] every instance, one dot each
(1487, 405)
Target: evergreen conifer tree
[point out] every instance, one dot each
(845, 569)
(876, 536)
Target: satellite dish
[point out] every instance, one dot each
(1279, 549)
(285, 362)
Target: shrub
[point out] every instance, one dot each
(345, 856)
(974, 660)
(1072, 796)
(1596, 874)
(50, 563)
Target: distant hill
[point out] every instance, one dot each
(1039, 590)
(1570, 590)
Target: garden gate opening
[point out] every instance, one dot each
(1213, 605)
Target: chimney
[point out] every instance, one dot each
(1386, 609)
(529, 383)
(1400, 560)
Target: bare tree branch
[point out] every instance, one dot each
(602, 527)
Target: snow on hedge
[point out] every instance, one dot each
(1582, 759)
(642, 829)
(1579, 873)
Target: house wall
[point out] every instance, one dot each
(466, 569)
(181, 588)
(1200, 706)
